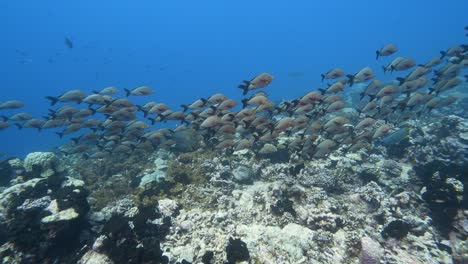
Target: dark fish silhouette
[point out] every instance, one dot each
(69, 43)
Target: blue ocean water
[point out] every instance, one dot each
(190, 49)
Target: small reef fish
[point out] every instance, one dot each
(333, 74)
(260, 81)
(140, 91)
(386, 50)
(70, 96)
(13, 104)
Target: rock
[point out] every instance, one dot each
(93, 257)
(41, 161)
(153, 177)
(371, 251)
(168, 207)
(236, 250)
(282, 206)
(243, 175)
(44, 216)
(396, 229)
(207, 258)
(134, 237)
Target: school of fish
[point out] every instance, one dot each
(314, 125)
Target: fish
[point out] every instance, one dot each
(363, 75)
(432, 62)
(392, 64)
(324, 148)
(254, 101)
(94, 99)
(260, 81)
(268, 149)
(139, 91)
(217, 98)
(13, 104)
(32, 123)
(386, 50)
(371, 89)
(403, 65)
(70, 96)
(18, 117)
(333, 74)
(381, 131)
(200, 103)
(333, 88)
(107, 91)
(4, 125)
(417, 73)
(68, 43)
(453, 51)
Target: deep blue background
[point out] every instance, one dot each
(189, 49)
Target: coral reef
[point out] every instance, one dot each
(365, 207)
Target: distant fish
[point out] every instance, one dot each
(4, 125)
(68, 43)
(295, 74)
(139, 91)
(403, 65)
(387, 50)
(107, 91)
(32, 123)
(433, 62)
(18, 117)
(70, 96)
(195, 105)
(453, 51)
(260, 81)
(392, 63)
(13, 104)
(333, 74)
(363, 75)
(381, 131)
(372, 88)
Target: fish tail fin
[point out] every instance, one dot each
(75, 140)
(443, 54)
(5, 118)
(185, 107)
(377, 54)
(93, 111)
(53, 100)
(361, 95)
(431, 90)
(323, 76)
(351, 79)
(95, 92)
(162, 117)
(244, 87)
(322, 91)
(19, 126)
(359, 111)
(60, 134)
(247, 123)
(244, 103)
(371, 97)
(127, 91)
(401, 80)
